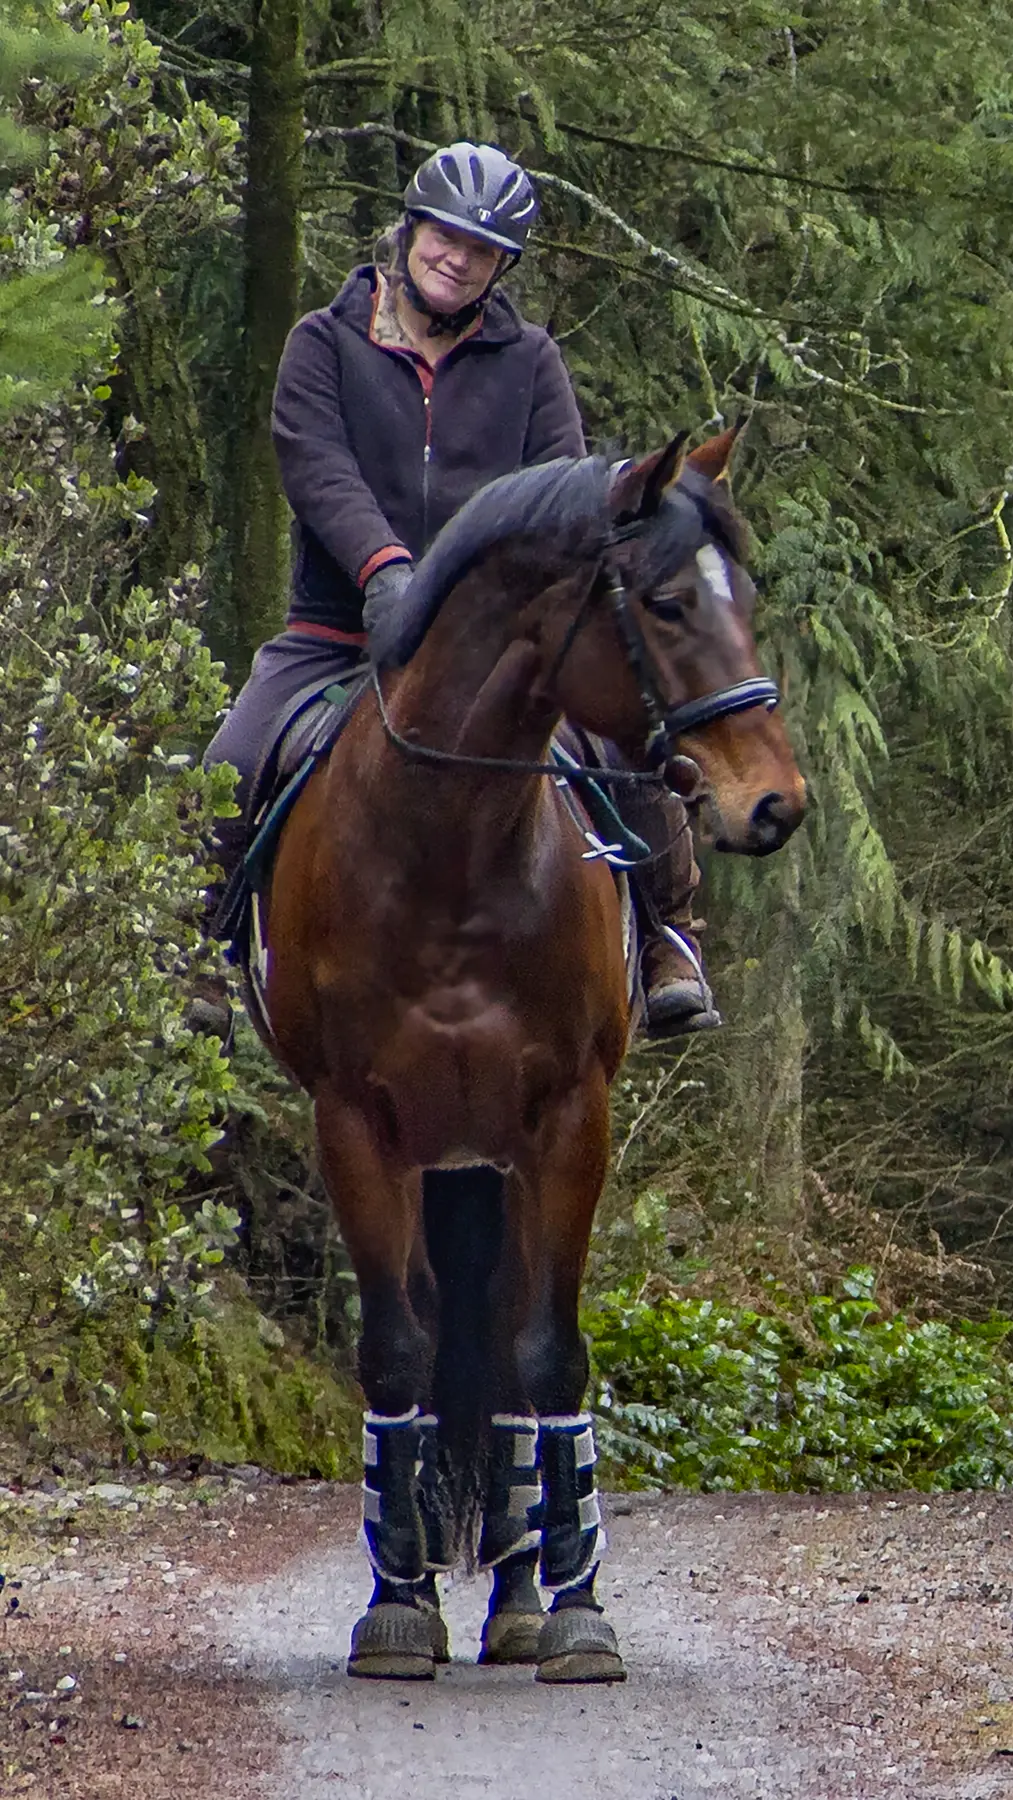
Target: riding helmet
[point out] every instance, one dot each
(478, 189)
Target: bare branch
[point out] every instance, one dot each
(352, 68)
(705, 287)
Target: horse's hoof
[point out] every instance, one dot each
(511, 1637)
(578, 1645)
(394, 1643)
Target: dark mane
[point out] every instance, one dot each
(565, 499)
(561, 502)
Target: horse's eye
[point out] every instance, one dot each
(670, 607)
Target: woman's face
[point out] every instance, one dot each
(450, 268)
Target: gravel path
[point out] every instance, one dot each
(776, 1645)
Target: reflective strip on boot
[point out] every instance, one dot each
(392, 1530)
(573, 1541)
(511, 1519)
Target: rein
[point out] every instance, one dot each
(666, 723)
(504, 765)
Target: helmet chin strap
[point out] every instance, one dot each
(442, 324)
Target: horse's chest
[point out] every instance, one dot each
(454, 1003)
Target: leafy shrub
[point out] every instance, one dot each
(108, 1104)
(214, 1380)
(692, 1394)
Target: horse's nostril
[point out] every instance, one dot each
(773, 819)
(770, 809)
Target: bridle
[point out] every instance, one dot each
(669, 723)
(666, 724)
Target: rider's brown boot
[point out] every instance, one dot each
(677, 997)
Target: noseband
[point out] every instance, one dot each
(666, 724)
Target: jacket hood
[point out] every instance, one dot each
(353, 304)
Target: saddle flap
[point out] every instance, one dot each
(308, 726)
(306, 731)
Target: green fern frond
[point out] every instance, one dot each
(883, 1052)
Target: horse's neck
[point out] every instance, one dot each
(473, 689)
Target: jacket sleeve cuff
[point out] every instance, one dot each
(390, 553)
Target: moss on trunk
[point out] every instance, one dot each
(159, 390)
(260, 562)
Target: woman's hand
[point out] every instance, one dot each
(383, 591)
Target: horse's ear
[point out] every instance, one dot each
(713, 458)
(638, 492)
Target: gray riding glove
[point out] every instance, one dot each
(382, 594)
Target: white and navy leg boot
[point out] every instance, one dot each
(577, 1643)
(393, 1640)
(510, 1539)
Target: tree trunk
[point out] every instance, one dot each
(171, 453)
(776, 1026)
(260, 559)
(371, 163)
(761, 1091)
(773, 1003)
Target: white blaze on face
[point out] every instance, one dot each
(714, 570)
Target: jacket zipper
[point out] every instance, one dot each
(414, 362)
(426, 457)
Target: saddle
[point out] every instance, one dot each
(307, 732)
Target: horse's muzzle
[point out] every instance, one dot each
(769, 826)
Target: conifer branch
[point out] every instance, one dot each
(345, 70)
(857, 190)
(997, 597)
(582, 324)
(613, 141)
(351, 68)
(704, 287)
(203, 67)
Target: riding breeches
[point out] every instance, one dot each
(281, 669)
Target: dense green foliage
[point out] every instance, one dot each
(49, 326)
(699, 1395)
(213, 1380)
(108, 1102)
(801, 212)
(111, 1331)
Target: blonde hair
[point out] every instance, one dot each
(391, 248)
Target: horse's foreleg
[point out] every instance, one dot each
(378, 1211)
(511, 1534)
(576, 1642)
(510, 1539)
